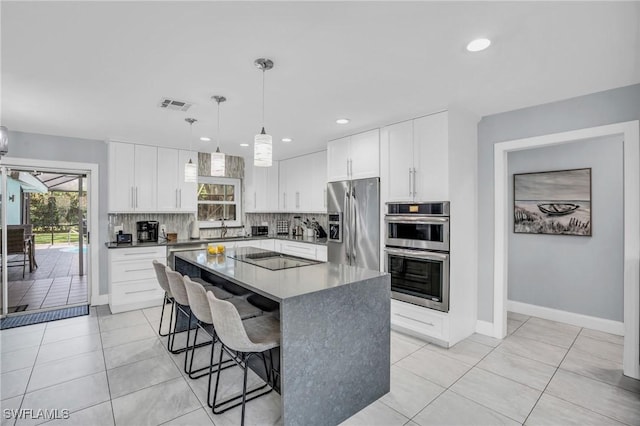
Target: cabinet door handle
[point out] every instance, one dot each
(325, 198)
(180, 197)
(414, 183)
(176, 199)
(139, 269)
(410, 182)
(136, 192)
(131, 198)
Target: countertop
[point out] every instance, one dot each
(282, 284)
(181, 242)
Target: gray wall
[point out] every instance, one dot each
(611, 106)
(573, 273)
(57, 148)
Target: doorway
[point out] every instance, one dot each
(50, 210)
(631, 214)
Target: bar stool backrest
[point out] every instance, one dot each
(176, 283)
(198, 300)
(162, 276)
(228, 325)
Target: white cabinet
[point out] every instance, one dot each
(303, 183)
(121, 177)
(132, 279)
(416, 152)
(148, 179)
(304, 250)
(174, 194)
(354, 157)
(132, 177)
(261, 188)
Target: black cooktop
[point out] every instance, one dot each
(271, 260)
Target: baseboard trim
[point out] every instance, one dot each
(580, 320)
(484, 327)
(101, 299)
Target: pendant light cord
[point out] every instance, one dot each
(218, 148)
(263, 99)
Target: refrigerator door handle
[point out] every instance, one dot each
(355, 224)
(347, 212)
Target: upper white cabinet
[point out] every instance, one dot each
(261, 188)
(132, 177)
(354, 157)
(303, 183)
(416, 152)
(148, 179)
(174, 194)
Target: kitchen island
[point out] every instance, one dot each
(334, 321)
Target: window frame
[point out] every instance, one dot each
(237, 184)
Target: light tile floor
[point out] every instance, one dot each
(114, 369)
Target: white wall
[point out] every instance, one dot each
(58, 148)
(576, 274)
(611, 106)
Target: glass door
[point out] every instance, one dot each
(3, 244)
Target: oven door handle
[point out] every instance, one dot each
(415, 219)
(417, 254)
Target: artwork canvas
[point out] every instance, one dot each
(554, 202)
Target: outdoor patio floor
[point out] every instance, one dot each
(55, 283)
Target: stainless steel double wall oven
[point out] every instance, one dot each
(417, 253)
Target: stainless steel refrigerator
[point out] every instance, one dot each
(354, 222)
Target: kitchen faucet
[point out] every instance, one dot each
(223, 228)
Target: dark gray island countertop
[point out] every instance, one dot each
(282, 284)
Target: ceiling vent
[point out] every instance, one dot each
(174, 104)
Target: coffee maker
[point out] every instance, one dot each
(147, 231)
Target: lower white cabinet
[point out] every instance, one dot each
(132, 278)
(419, 321)
(304, 250)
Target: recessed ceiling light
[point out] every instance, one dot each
(342, 120)
(205, 139)
(478, 44)
(287, 140)
(244, 144)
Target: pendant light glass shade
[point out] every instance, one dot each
(191, 172)
(190, 168)
(217, 163)
(262, 143)
(262, 150)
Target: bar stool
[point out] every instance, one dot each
(199, 305)
(161, 275)
(181, 301)
(241, 340)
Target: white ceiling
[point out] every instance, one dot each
(98, 69)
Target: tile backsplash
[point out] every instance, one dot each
(179, 223)
(270, 219)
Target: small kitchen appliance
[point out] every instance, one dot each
(147, 231)
(259, 231)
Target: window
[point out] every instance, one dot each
(219, 198)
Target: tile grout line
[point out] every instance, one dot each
(104, 359)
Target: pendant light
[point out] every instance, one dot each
(218, 158)
(190, 169)
(262, 143)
